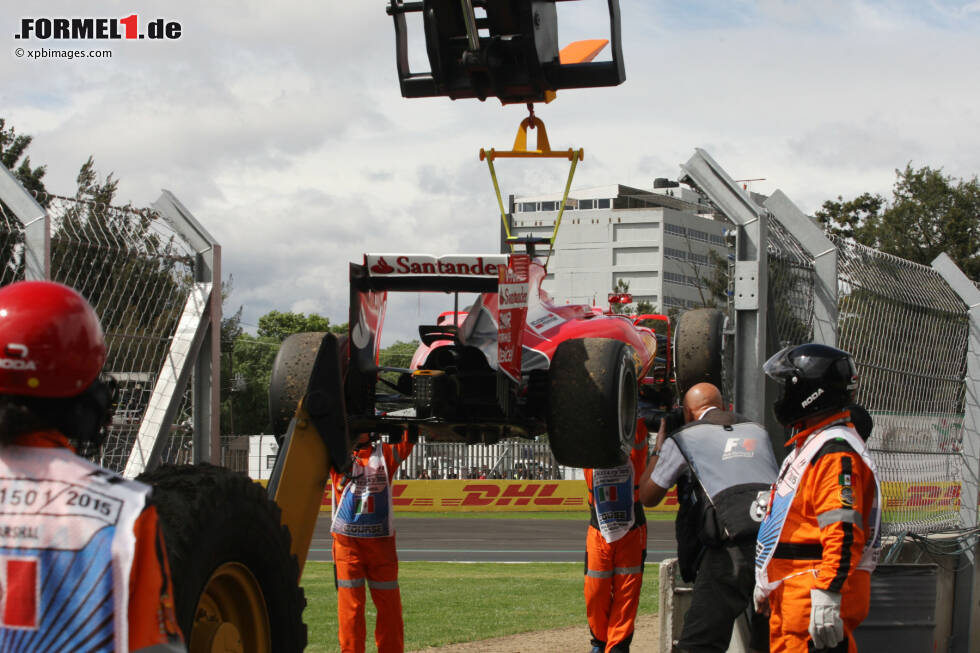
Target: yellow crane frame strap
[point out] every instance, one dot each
(543, 151)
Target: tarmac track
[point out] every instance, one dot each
(495, 540)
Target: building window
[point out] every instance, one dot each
(698, 235)
(694, 281)
(270, 461)
(717, 240)
(602, 204)
(674, 229)
(586, 204)
(674, 277)
(679, 254)
(549, 206)
(529, 207)
(698, 258)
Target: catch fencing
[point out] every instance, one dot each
(906, 325)
(908, 333)
(511, 459)
(138, 270)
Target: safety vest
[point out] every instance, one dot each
(612, 501)
(365, 508)
(784, 491)
(66, 551)
(733, 464)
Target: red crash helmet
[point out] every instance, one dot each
(51, 342)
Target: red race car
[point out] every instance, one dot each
(514, 363)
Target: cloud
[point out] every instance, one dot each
(281, 125)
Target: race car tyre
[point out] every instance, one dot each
(698, 348)
(235, 580)
(592, 404)
(290, 375)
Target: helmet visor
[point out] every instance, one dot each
(779, 368)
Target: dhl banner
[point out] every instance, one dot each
(496, 496)
(918, 500)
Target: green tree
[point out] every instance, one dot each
(13, 148)
(929, 213)
(248, 368)
(278, 325)
(130, 273)
(13, 156)
(644, 307)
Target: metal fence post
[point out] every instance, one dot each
(824, 255)
(966, 614)
(207, 372)
(751, 278)
(37, 226)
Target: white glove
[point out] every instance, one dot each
(826, 627)
(760, 600)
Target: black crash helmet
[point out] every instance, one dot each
(815, 379)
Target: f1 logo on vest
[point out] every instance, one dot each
(20, 592)
(739, 448)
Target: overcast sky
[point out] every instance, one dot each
(281, 127)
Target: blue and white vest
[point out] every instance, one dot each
(66, 551)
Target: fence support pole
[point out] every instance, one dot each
(824, 255)
(966, 613)
(207, 369)
(37, 226)
(751, 278)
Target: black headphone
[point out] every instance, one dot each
(90, 413)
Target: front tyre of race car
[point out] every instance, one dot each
(592, 403)
(235, 580)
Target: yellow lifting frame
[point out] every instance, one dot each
(543, 151)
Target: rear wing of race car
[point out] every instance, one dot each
(503, 274)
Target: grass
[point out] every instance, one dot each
(573, 515)
(445, 602)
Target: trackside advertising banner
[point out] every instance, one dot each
(495, 496)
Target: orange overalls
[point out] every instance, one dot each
(821, 544)
(150, 613)
(372, 560)
(614, 570)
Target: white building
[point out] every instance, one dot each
(657, 240)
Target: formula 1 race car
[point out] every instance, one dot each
(513, 364)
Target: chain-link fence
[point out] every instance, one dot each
(907, 331)
(791, 280)
(512, 459)
(137, 272)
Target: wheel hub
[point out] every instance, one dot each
(231, 614)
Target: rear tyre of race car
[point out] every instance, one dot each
(592, 402)
(698, 348)
(235, 580)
